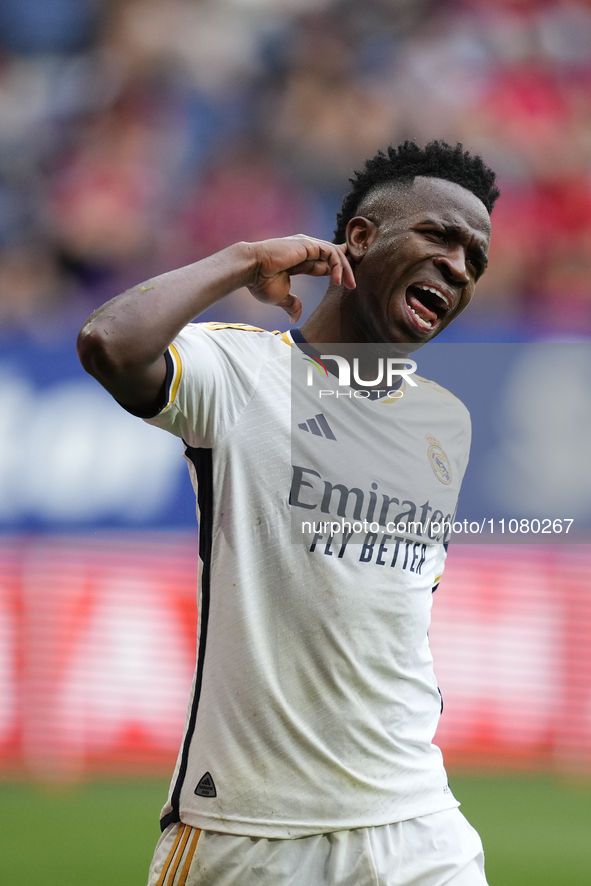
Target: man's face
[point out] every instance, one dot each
(417, 259)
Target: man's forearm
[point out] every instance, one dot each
(135, 328)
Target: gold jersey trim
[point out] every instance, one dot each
(176, 379)
(177, 371)
(245, 327)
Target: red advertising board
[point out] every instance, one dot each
(97, 650)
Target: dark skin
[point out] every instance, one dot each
(409, 266)
(433, 233)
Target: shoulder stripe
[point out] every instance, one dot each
(243, 326)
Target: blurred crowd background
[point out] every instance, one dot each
(139, 135)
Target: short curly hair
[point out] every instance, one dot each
(401, 164)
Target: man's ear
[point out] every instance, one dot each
(360, 234)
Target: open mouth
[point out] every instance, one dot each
(427, 305)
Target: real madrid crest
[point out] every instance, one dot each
(438, 459)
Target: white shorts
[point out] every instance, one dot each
(432, 850)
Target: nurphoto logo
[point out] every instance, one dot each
(390, 371)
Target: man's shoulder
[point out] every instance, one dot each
(240, 334)
(214, 326)
(438, 392)
(235, 341)
(442, 406)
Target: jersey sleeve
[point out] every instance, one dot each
(211, 376)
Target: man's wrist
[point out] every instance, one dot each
(245, 256)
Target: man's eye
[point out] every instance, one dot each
(477, 266)
(437, 234)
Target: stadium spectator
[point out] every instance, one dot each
(116, 116)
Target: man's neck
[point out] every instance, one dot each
(332, 320)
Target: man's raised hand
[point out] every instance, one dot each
(123, 344)
(276, 261)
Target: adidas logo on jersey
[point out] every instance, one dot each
(206, 787)
(318, 426)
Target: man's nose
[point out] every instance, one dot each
(453, 265)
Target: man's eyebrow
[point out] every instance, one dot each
(476, 250)
(456, 231)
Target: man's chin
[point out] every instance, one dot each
(405, 333)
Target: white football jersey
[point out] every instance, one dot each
(314, 702)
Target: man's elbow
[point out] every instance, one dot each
(95, 354)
